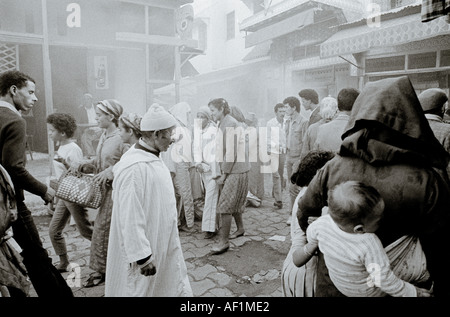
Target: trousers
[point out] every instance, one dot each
(44, 276)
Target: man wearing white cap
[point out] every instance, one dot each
(145, 258)
(433, 102)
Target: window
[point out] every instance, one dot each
(231, 25)
(422, 60)
(445, 58)
(385, 64)
(200, 33)
(401, 3)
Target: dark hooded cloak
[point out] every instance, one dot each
(388, 144)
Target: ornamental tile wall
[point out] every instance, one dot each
(389, 33)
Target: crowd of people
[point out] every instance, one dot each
(367, 175)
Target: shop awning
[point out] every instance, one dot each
(389, 33)
(281, 28)
(317, 62)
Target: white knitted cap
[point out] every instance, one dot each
(157, 118)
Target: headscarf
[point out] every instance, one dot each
(205, 111)
(111, 106)
(387, 126)
(132, 121)
(180, 111)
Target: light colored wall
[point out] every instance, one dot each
(221, 53)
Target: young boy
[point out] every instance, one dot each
(356, 260)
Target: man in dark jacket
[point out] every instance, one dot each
(17, 94)
(388, 144)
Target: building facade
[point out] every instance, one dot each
(111, 49)
(289, 45)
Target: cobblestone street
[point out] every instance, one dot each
(250, 268)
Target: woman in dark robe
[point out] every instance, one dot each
(389, 145)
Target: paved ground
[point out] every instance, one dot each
(251, 268)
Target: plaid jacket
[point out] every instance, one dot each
(433, 9)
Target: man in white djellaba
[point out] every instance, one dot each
(145, 258)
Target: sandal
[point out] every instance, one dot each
(94, 280)
(216, 251)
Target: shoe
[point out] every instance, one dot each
(62, 269)
(186, 229)
(237, 235)
(94, 279)
(216, 251)
(210, 235)
(278, 204)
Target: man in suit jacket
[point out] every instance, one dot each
(17, 94)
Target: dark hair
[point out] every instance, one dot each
(292, 102)
(278, 106)
(437, 111)
(346, 98)
(309, 165)
(220, 104)
(63, 122)
(352, 201)
(310, 94)
(13, 78)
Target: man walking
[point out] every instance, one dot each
(145, 258)
(17, 94)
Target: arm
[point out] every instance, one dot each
(315, 197)
(303, 255)
(230, 150)
(131, 212)
(13, 160)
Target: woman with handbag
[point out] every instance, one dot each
(61, 127)
(109, 151)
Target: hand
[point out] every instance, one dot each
(49, 195)
(102, 177)
(199, 168)
(14, 214)
(311, 220)
(422, 292)
(148, 270)
(221, 179)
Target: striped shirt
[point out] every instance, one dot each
(357, 263)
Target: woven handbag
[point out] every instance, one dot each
(80, 188)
